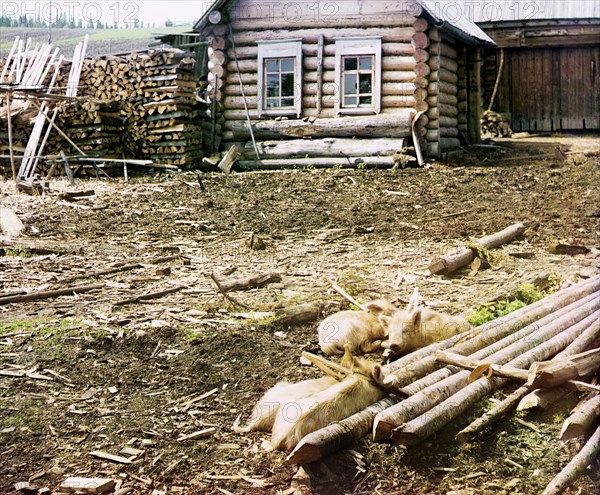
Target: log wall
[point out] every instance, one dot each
(447, 107)
(419, 71)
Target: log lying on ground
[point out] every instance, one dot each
(553, 339)
(337, 436)
(576, 467)
(251, 281)
(301, 314)
(582, 419)
(436, 387)
(558, 371)
(458, 259)
(501, 409)
(48, 294)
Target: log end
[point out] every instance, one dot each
(382, 430)
(406, 438)
(438, 267)
(464, 437)
(304, 453)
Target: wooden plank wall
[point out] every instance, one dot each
(547, 89)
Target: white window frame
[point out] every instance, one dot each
(280, 49)
(368, 45)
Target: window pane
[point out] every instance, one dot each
(287, 65)
(272, 102)
(272, 85)
(366, 63)
(287, 102)
(365, 83)
(350, 101)
(350, 63)
(273, 65)
(350, 84)
(366, 100)
(287, 84)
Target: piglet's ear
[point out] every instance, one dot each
(375, 307)
(386, 320)
(416, 317)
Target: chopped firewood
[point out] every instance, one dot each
(110, 457)
(568, 249)
(555, 372)
(457, 259)
(10, 224)
(582, 419)
(229, 159)
(88, 485)
(26, 487)
(251, 282)
(197, 435)
(328, 367)
(576, 467)
(302, 314)
(76, 195)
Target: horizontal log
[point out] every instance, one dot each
(434, 134)
(422, 70)
(421, 56)
(346, 161)
(311, 34)
(269, 21)
(420, 40)
(444, 62)
(444, 75)
(400, 76)
(443, 98)
(328, 147)
(449, 143)
(383, 125)
(398, 101)
(421, 24)
(445, 121)
(443, 49)
(435, 34)
(436, 88)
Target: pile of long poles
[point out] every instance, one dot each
(427, 394)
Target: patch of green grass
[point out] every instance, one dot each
(18, 252)
(523, 296)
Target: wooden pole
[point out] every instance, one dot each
(576, 466)
(554, 337)
(10, 137)
(320, 73)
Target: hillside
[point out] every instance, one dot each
(101, 42)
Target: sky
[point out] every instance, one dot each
(111, 11)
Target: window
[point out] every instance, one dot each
(358, 75)
(279, 77)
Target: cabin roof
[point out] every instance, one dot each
(483, 11)
(459, 26)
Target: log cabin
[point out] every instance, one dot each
(341, 83)
(547, 55)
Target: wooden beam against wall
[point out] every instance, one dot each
(474, 96)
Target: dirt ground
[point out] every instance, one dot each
(145, 374)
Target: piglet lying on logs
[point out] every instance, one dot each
(411, 330)
(363, 330)
(280, 395)
(337, 402)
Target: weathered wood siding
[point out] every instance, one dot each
(547, 89)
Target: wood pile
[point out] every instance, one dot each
(493, 124)
(562, 331)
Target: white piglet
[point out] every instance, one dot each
(363, 330)
(411, 330)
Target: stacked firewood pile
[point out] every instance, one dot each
(548, 348)
(493, 124)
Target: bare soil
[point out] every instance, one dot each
(146, 374)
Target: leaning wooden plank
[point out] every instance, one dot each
(336, 436)
(229, 159)
(558, 371)
(251, 281)
(576, 467)
(48, 294)
(553, 338)
(582, 419)
(92, 486)
(462, 257)
(501, 409)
